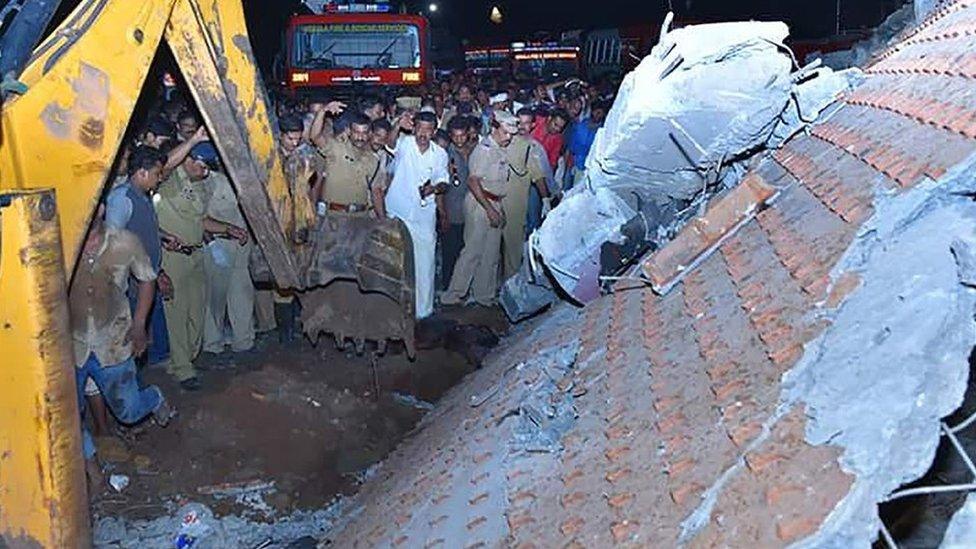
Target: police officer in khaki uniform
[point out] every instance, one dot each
(182, 221)
(489, 181)
(524, 156)
(351, 169)
(230, 293)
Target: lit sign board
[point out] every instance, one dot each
(485, 53)
(545, 55)
(358, 8)
(411, 77)
(355, 27)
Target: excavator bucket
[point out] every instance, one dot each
(360, 282)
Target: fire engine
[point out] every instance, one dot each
(355, 44)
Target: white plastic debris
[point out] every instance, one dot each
(118, 482)
(411, 401)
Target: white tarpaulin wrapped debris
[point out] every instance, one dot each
(703, 93)
(706, 100)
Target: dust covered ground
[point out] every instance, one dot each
(285, 429)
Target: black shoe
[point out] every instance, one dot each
(191, 384)
(285, 317)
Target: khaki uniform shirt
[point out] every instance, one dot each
(222, 201)
(522, 156)
(100, 316)
(349, 172)
(181, 207)
(489, 161)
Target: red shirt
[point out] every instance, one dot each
(552, 143)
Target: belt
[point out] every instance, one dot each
(346, 208)
(492, 197)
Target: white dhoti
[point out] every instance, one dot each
(424, 238)
(411, 170)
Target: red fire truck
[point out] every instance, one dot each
(350, 44)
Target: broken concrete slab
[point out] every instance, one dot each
(922, 8)
(686, 123)
(879, 380)
(704, 92)
(570, 248)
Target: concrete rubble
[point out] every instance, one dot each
(195, 525)
(923, 8)
(875, 384)
(878, 381)
(687, 122)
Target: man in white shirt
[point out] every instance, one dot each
(420, 172)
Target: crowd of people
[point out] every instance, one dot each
(470, 165)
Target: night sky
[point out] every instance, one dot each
(808, 19)
(468, 19)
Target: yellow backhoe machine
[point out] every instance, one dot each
(61, 132)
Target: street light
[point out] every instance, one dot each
(432, 8)
(496, 15)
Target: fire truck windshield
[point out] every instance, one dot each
(356, 46)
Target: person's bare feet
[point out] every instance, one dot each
(164, 413)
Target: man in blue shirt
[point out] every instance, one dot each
(130, 207)
(579, 140)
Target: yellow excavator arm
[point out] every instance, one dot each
(82, 86)
(59, 141)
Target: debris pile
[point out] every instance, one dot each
(195, 525)
(686, 124)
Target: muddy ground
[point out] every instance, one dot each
(286, 427)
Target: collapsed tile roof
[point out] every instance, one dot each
(739, 398)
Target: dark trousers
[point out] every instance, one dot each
(452, 240)
(158, 335)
